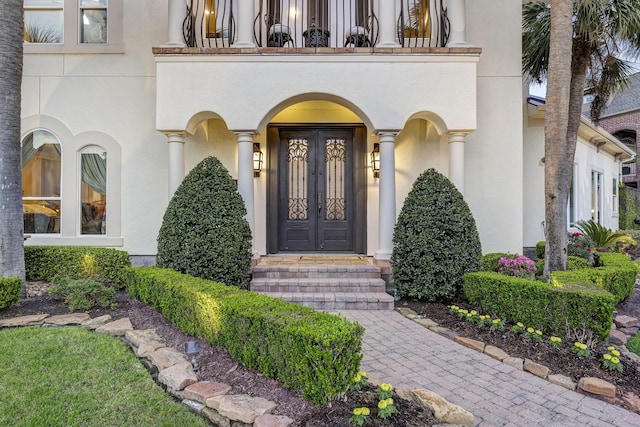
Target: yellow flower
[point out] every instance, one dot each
(469, 315)
(362, 373)
(520, 324)
(615, 360)
(365, 411)
(389, 401)
(610, 348)
(357, 378)
(382, 404)
(496, 321)
(577, 344)
(473, 312)
(615, 352)
(357, 411)
(583, 346)
(530, 330)
(538, 332)
(556, 339)
(386, 387)
(607, 356)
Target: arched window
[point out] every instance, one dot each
(41, 177)
(93, 190)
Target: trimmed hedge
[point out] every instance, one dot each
(554, 310)
(10, 288)
(617, 275)
(104, 265)
(316, 353)
(490, 261)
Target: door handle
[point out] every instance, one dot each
(319, 204)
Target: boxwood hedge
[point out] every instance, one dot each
(315, 353)
(553, 309)
(103, 265)
(10, 288)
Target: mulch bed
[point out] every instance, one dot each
(217, 365)
(558, 360)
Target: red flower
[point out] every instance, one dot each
(597, 249)
(577, 234)
(588, 249)
(576, 246)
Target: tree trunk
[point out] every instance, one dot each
(11, 222)
(557, 168)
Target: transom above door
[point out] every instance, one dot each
(314, 190)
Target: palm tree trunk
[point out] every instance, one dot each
(556, 130)
(11, 222)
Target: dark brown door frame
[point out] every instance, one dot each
(359, 181)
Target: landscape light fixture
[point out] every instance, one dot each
(192, 348)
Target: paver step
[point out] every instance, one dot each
(338, 300)
(316, 271)
(318, 285)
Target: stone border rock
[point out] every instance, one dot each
(621, 330)
(172, 371)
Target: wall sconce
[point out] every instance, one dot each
(257, 160)
(375, 160)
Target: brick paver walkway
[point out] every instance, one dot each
(409, 356)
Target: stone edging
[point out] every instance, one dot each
(172, 370)
(589, 385)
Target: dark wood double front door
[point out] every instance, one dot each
(316, 189)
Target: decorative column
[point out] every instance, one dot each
(456, 159)
(246, 15)
(245, 174)
(456, 12)
(387, 195)
(176, 160)
(387, 19)
(177, 13)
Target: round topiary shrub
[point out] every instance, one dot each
(204, 232)
(435, 241)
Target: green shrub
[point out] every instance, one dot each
(573, 263)
(316, 353)
(602, 236)
(629, 209)
(633, 345)
(10, 288)
(540, 249)
(203, 231)
(617, 275)
(490, 261)
(561, 311)
(435, 241)
(83, 294)
(103, 265)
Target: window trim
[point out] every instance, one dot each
(597, 195)
(71, 32)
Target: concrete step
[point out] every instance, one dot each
(314, 285)
(337, 300)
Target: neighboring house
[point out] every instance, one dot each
(621, 118)
(325, 111)
(595, 179)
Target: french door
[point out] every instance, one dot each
(317, 200)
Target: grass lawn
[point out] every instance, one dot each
(74, 377)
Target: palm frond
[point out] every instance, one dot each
(601, 235)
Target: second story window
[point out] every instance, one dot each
(43, 21)
(93, 21)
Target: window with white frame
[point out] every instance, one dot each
(93, 21)
(596, 196)
(41, 182)
(43, 21)
(614, 196)
(73, 26)
(93, 190)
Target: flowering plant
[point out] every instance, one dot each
(359, 381)
(385, 391)
(497, 325)
(611, 359)
(555, 341)
(534, 334)
(484, 320)
(386, 408)
(518, 328)
(580, 349)
(583, 246)
(519, 267)
(359, 416)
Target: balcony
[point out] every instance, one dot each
(629, 174)
(316, 24)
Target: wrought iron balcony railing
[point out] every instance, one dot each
(315, 23)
